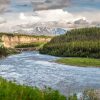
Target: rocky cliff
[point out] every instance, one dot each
(10, 41)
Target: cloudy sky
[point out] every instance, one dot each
(16, 12)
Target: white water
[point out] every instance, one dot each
(32, 68)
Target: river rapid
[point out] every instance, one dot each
(34, 69)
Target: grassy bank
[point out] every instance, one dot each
(83, 42)
(31, 45)
(84, 62)
(11, 91)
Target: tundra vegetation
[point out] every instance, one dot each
(83, 43)
(37, 45)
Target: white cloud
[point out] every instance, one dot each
(28, 17)
(49, 15)
(14, 19)
(55, 15)
(93, 15)
(22, 16)
(44, 15)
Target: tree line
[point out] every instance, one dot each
(84, 42)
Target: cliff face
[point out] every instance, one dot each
(12, 41)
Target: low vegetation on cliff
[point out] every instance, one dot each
(83, 42)
(17, 34)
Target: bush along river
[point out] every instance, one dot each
(34, 69)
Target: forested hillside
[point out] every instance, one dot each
(83, 42)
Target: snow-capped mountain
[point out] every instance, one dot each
(50, 28)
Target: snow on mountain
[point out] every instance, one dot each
(41, 28)
(81, 21)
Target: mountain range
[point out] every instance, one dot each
(51, 27)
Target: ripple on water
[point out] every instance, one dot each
(32, 68)
(44, 63)
(5, 67)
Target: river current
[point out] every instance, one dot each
(34, 69)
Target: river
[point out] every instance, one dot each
(34, 69)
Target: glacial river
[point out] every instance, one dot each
(34, 69)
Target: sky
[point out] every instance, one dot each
(16, 12)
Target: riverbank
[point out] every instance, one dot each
(15, 43)
(83, 62)
(12, 91)
(83, 42)
(7, 51)
(82, 45)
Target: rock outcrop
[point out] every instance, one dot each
(11, 41)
